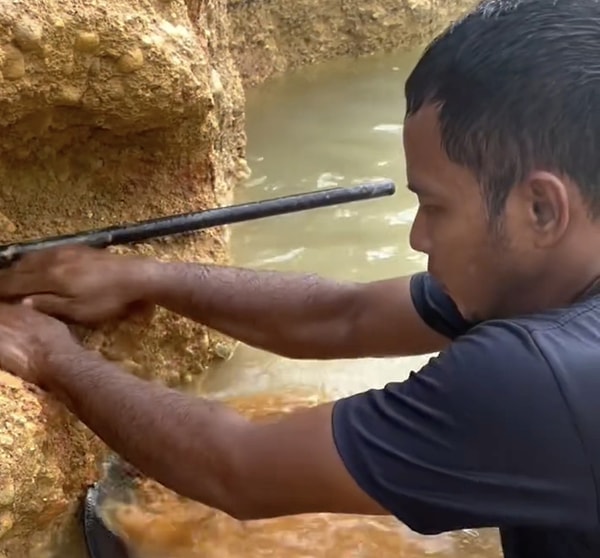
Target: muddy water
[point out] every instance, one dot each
(163, 525)
(334, 124)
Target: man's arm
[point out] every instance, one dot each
(463, 443)
(298, 315)
(204, 450)
(292, 314)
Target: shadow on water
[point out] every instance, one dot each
(333, 124)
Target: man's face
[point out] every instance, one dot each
(479, 268)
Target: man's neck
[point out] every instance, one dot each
(570, 279)
(563, 282)
(592, 289)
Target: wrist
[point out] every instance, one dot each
(150, 279)
(57, 364)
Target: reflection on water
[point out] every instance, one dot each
(335, 124)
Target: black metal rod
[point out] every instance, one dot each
(194, 221)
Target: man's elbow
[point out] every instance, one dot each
(225, 485)
(245, 506)
(234, 500)
(242, 511)
(240, 498)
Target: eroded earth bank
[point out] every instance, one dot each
(111, 112)
(272, 36)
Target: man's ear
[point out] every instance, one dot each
(546, 200)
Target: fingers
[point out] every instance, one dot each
(9, 313)
(12, 356)
(14, 283)
(65, 309)
(35, 272)
(37, 259)
(18, 316)
(53, 305)
(20, 278)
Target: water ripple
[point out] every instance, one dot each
(395, 129)
(404, 217)
(328, 180)
(383, 253)
(279, 258)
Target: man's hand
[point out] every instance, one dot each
(77, 283)
(27, 340)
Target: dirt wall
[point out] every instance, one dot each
(271, 36)
(110, 112)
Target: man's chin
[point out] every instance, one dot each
(464, 310)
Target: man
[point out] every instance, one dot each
(502, 143)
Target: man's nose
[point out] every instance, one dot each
(419, 237)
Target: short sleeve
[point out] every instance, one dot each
(480, 436)
(436, 308)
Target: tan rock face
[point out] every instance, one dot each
(110, 112)
(270, 36)
(47, 457)
(114, 113)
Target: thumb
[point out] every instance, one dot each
(12, 357)
(50, 304)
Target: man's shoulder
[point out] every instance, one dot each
(499, 428)
(570, 334)
(438, 310)
(551, 356)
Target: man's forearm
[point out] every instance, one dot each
(292, 314)
(184, 443)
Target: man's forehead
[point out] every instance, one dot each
(421, 129)
(423, 150)
(428, 168)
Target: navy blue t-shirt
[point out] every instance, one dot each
(501, 429)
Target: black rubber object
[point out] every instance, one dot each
(116, 484)
(100, 541)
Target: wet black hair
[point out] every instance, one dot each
(518, 88)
